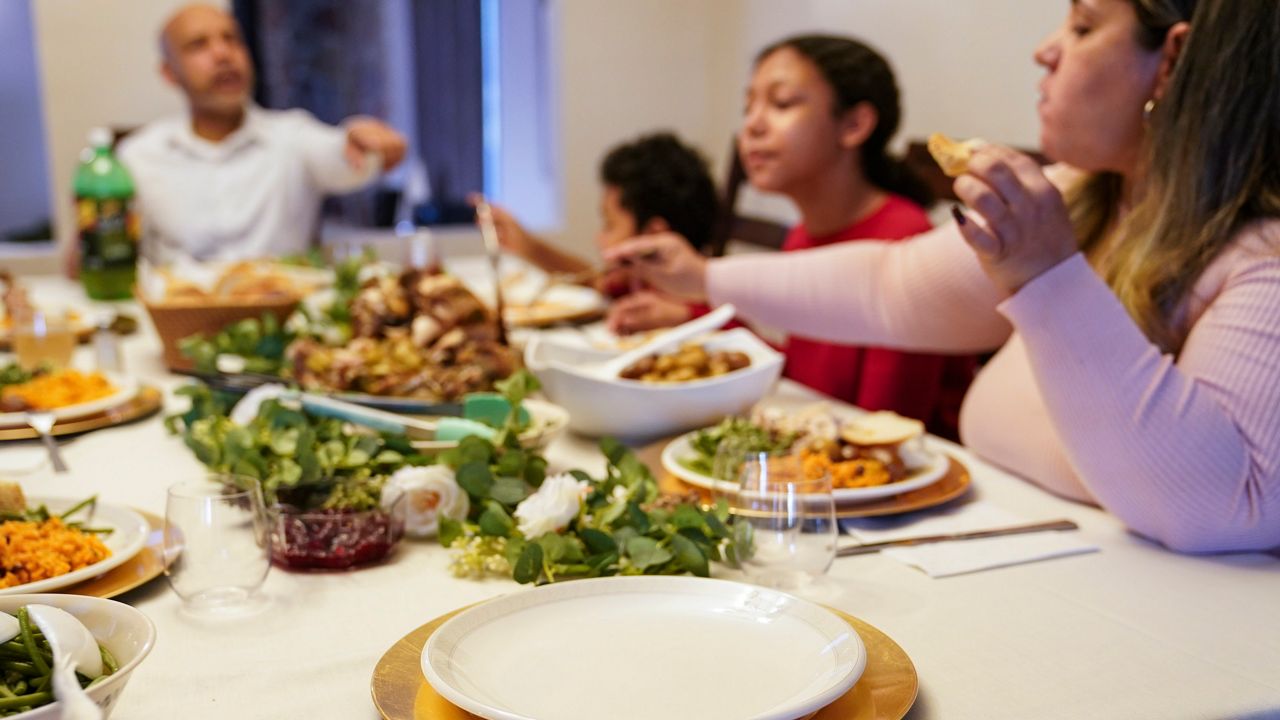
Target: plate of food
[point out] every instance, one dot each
(531, 296)
(705, 648)
(868, 456)
(67, 393)
(47, 543)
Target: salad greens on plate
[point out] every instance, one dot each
(742, 434)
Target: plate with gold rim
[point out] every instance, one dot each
(886, 690)
(128, 536)
(140, 569)
(146, 402)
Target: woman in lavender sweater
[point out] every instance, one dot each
(1132, 291)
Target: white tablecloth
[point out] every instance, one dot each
(1132, 631)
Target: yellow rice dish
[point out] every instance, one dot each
(31, 551)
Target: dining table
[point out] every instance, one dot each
(1130, 631)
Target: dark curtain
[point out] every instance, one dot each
(449, 82)
(329, 57)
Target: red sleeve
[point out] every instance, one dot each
(906, 383)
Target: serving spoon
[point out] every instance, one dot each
(74, 650)
(714, 320)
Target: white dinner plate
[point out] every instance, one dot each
(128, 537)
(638, 648)
(126, 389)
(923, 477)
(522, 282)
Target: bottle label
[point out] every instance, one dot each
(108, 233)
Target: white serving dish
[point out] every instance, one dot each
(637, 648)
(129, 537)
(126, 633)
(629, 408)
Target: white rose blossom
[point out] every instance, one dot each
(431, 492)
(553, 506)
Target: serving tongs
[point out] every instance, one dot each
(492, 248)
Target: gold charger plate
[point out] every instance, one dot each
(145, 403)
(886, 690)
(953, 484)
(141, 568)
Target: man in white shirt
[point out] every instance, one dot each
(230, 180)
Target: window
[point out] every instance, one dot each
(24, 177)
(464, 80)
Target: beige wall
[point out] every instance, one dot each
(625, 67)
(98, 66)
(633, 66)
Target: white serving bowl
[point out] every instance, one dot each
(629, 408)
(124, 631)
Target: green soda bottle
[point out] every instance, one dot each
(108, 227)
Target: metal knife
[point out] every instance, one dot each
(848, 550)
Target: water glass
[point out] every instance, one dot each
(43, 338)
(216, 546)
(786, 521)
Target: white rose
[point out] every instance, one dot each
(430, 493)
(553, 506)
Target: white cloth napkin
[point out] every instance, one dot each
(958, 557)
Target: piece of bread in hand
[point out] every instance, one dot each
(952, 155)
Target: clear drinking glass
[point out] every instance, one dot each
(41, 338)
(790, 536)
(216, 546)
(731, 453)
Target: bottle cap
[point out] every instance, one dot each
(100, 137)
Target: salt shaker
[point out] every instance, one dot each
(106, 347)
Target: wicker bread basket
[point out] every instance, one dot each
(176, 320)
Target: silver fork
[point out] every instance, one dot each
(42, 423)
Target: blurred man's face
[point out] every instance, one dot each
(207, 58)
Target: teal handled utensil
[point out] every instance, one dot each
(444, 428)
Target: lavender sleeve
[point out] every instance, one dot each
(1188, 451)
(925, 294)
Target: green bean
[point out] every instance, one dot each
(25, 624)
(108, 660)
(91, 501)
(25, 661)
(26, 701)
(24, 668)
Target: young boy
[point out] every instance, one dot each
(652, 184)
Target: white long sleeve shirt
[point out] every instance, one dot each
(256, 193)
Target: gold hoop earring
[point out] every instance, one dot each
(1147, 110)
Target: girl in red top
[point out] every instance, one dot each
(820, 111)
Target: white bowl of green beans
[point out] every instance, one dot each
(125, 635)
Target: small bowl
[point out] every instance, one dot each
(334, 539)
(634, 409)
(127, 633)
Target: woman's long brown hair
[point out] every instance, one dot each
(1213, 160)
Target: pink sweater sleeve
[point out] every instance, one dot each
(1186, 452)
(925, 294)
